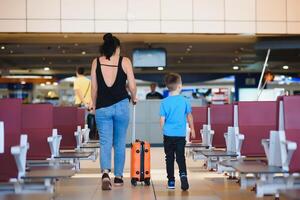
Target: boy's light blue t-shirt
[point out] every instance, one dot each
(175, 110)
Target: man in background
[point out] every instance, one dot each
(153, 94)
(82, 88)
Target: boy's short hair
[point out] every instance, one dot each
(80, 70)
(172, 80)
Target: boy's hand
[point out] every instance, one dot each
(193, 134)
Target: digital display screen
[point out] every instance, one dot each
(149, 58)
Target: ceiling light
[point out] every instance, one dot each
(55, 83)
(235, 68)
(2, 47)
(285, 67)
(83, 52)
(160, 68)
(23, 82)
(47, 77)
(48, 83)
(42, 84)
(46, 68)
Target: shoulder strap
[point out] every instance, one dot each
(87, 89)
(120, 61)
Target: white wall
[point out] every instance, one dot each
(151, 16)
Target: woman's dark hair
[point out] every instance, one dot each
(109, 46)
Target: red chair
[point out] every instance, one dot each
(65, 121)
(256, 120)
(200, 118)
(37, 123)
(10, 114)
(291, 105)
(81, 117)
(221, 118)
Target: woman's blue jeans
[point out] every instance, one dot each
(112, 123)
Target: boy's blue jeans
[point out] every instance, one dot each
(112, 123)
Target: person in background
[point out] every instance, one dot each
(175, 110)
(110, 101)
(82, 88)
(153, 94)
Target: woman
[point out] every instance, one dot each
(110, 99)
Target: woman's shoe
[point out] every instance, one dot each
(106, 184)
(118, 181)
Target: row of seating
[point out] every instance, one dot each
(50, 147)
(266, 132)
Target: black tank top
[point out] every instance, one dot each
(107, 96)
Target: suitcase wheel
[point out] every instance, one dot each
(133, 182)
(147, 182)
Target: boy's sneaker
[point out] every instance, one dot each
(171, 184)
(118, 181)
(106, 184)
(184, 182)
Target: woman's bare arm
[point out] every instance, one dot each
(130, 77)
(94, 84)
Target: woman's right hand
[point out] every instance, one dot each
(91, 109)
(134, 101)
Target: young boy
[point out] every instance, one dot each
(174, 111)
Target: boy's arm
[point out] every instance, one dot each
(162, 122)
(191, 124)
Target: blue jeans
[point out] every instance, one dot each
(112, 123)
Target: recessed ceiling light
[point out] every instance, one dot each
(42, 84)
(48, 83)
(285, 67)
(46, 68)
(23, 82)
(2, 47)
(83, 52)
(160, 68)
(47, 77)
(55, 83)
(235, 68)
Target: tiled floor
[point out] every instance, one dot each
(204, 185)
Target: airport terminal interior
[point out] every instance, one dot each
(235, 118)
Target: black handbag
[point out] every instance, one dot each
(92, 126)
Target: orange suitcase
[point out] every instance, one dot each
(140, 158)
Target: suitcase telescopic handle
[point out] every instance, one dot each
(133, 124)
